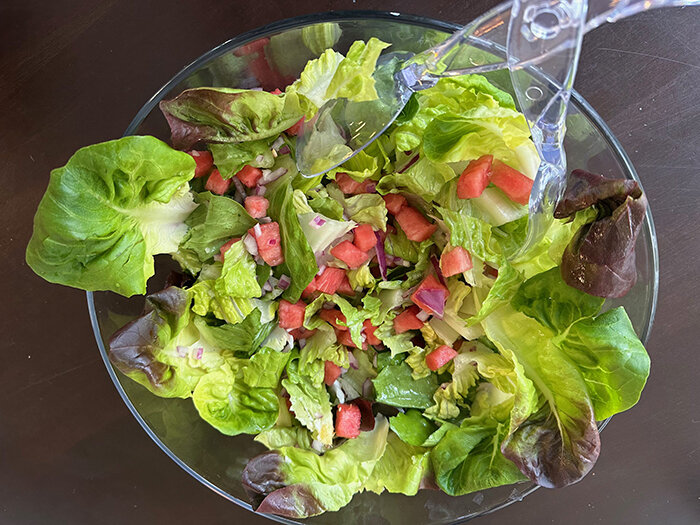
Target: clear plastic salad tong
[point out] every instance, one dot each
(542, 33)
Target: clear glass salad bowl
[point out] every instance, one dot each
(217, 460)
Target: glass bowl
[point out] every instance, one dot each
(217, 460)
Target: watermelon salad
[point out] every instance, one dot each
(379, 327)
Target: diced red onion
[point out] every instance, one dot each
(317, 222)
(251, 245)
(199, 353)
(284, 150)
(277, 143)
(423, 315)
(284, 282)
(328, 305)
(239, 186)
(317, 445)
(401, 262)
(374, 360)
(265, 220)
(217, 257)
(271, 176)
(370, 187)
(321, 269)
(409, 164)
(381, 256)
(301, 343)
(181, 351)
(438, 270)
(260, 190)
(353, 361)
(267, 287)
(433, 299)
(256, 89)
(259, 158)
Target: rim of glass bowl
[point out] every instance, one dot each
(336, 16)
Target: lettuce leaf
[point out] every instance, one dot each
(213, 222)
(297, 483)
(224, 115)
(299, 259)
(394, 386)
(425, 178)
(108, 211)
(367, 208)
(230, 158)
(225, 401)
(401, 469)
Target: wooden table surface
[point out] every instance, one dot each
(74, 73)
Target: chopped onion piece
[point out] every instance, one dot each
(277, 143)
(317, 222)
(317, 445)
(272, 175)
(260, 190)
(367, 388)
(423, 315)
(409, 164)
(257, 230)
(301, 343)
(338, 391)
(381, 256)
(321, 269)
(433, 299)
(353, 361)
(259, 158)
(284, 150)
(199, 353)
(240, 190)
(251, 245)
(181, 351)
(284, 282)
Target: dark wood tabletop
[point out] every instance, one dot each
(74, 72)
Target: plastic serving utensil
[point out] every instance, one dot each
(540, 33)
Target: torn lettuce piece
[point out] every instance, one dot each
(231, 157)
(297, 483)
(108, 211)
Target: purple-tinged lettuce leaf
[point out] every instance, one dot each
(600, 259)
(225, 115)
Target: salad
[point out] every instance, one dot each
(379, 327)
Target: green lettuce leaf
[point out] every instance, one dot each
(368, 208)
(322, 346)
(425, 178)
(279, 437)
(394, 386)
(401, 469)
(353, 79)
(310, 401)
(412, 427)
(244, 337)
(264, 368)
(225, 401)
(299, 260)
(297, 483)
(230, 158)
(108, 211)
(214, 221)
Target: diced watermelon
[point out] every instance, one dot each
(455, 261)
(349, 254)
(291, 315)
(394, 202)
(511, 182)
(301, 333)
(347, 421)
(431, 296)
(366, 414)
(295, 128)
(310, 289)
(369, 333)
(332, 317)
(216, 184)
(227, 245)
(345, 288)
(347, 184)
(407, 320)
(331, 372)
(415, 226)
(269, 243)
(249, 175)
(329, 281)
(490, 271)
(276, 91)
(344, 338)
(256, 206)
(203, 161)
(364, 236)
(440, 357)
(475, 178)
